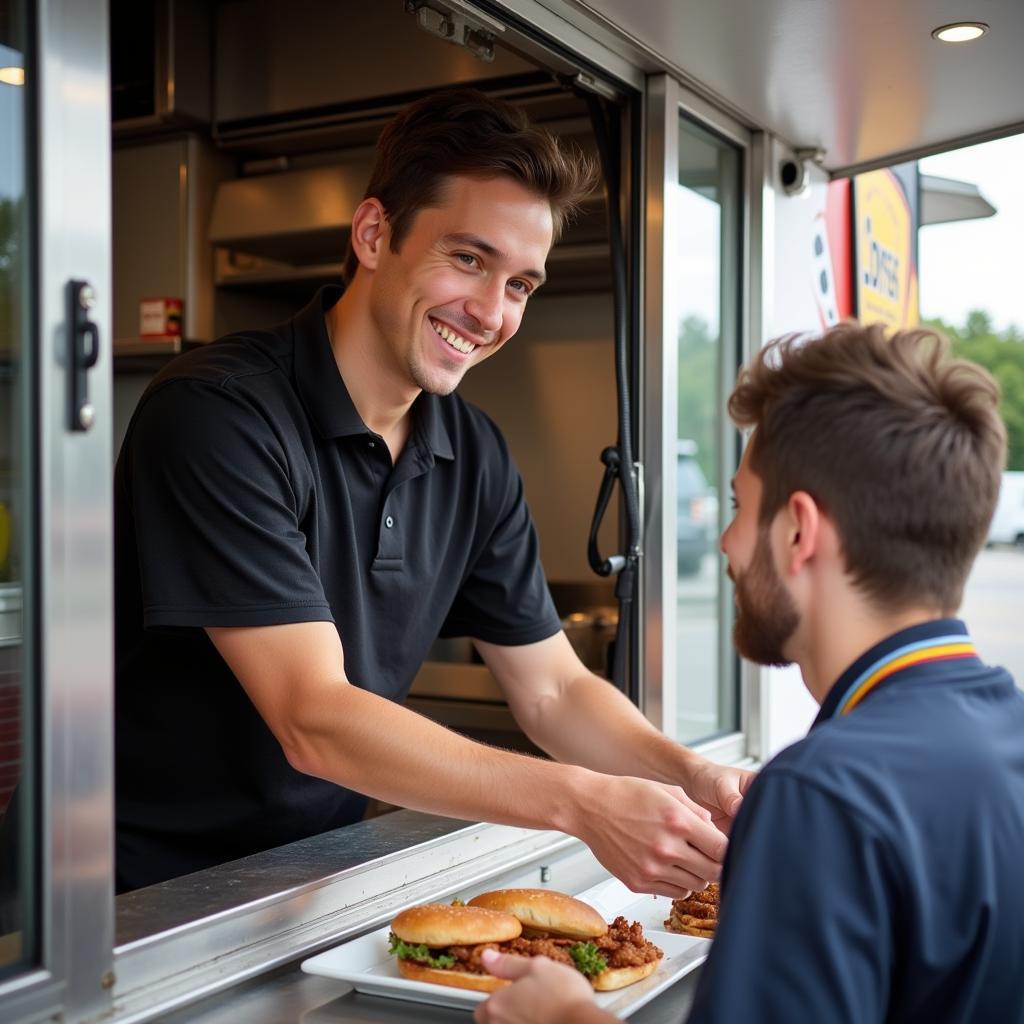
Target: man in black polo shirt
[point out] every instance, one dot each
(301, 511)
(873, 873)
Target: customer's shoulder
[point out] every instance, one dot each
(836, 758)
(913, 747)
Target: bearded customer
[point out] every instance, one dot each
(301, 511)
(873, 873)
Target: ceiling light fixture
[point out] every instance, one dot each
(12, 76)
(960, 32)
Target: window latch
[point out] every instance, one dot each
(83, 341)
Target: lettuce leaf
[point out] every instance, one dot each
(421, 954)
(588, 959)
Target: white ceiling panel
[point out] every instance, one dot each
(863, 79)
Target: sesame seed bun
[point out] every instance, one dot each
(542, 910)
(439, 925)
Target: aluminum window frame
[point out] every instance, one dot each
(667, 102)
(67, 130)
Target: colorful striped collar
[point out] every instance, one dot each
(942, 640)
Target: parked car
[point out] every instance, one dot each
(1008, 522)
(696, 510)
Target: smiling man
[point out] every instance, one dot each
(301, 511)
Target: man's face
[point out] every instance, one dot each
(766, 615)
(457, 288)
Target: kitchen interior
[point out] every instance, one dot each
(243, 136)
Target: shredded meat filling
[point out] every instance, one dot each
(623, 946)
(467, 958)
(698, 910)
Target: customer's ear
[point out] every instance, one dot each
(802, 530)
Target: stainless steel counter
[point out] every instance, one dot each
(220, 890)
(225, 944)
(216, 930)
(289, 996)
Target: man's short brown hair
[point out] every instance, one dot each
(465, 132)
(902, 446)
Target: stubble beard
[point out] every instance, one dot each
(434, 380)
(766, 616)
(434, 383)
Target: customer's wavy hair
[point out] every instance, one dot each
(900, 444)
(465, 132)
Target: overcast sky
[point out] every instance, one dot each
(978, 264)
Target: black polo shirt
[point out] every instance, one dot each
(249, 492)
(874, 870)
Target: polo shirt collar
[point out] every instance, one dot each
(323, 390)
(430, 426)
(926, 636)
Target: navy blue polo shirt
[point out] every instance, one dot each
(249, 492)
(876, 869)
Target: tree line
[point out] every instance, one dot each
(1002, 354)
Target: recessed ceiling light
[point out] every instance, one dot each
(12, 76)
(961, 32)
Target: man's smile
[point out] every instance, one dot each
(455, 340)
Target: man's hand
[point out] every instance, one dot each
(649, 834)
(720, 790)
(544, 993)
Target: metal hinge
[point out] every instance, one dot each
(459, 23)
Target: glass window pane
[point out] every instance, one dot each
(706, 274)
(17, 900)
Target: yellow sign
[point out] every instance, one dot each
(884, 232)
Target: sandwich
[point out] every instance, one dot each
(442, 943)
(571, 932)
(697, 914)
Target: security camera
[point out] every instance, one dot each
(793, 176)
(794, 170)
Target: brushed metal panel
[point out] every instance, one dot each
(865, 81)
(347, 53)
(150, 255)
(75, 524)
(163, 193)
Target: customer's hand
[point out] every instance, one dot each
(543, 992)
(719, 789)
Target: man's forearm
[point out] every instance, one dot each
(366, 743)
(656, 840)
(594, 725)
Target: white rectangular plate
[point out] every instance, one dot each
(368, 967)
(611, 898)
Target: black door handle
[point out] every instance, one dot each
(83, 351)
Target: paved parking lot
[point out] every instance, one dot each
(994, 608)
